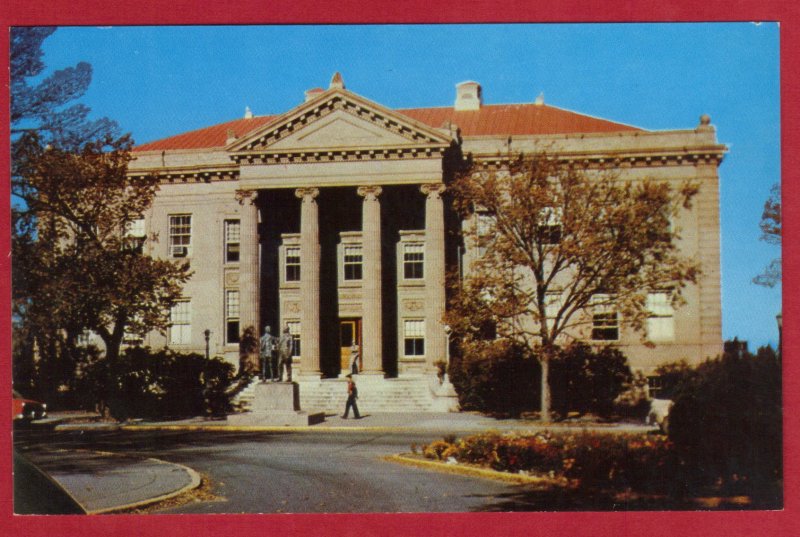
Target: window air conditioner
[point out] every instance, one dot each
(180, 251)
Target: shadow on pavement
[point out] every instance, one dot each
(36, 494)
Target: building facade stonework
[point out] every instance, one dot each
(332, 220)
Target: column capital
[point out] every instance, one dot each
(309, 193)
(369, 193)
(433, 190)
(243, 196)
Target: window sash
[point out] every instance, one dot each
(413, 261)
(605, 318)
(353, 263)
(135, 228)
(294, 330)
(180, 233)
(232, 238)
(292, 263)
(414, 337)
(180, 330)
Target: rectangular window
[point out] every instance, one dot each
(414, 337)
(552, 303)
(231, 316)
(605, 319)
(353, 259)
(661, 320)
(232, 239)
(180, 329)
(135, 228)
(413, 261)
(293, 264)
(180, 235)
(485, 224)
(294, 330)
(135, 234)
(549, 228)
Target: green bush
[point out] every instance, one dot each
(671, 376)
(633, 402)
(587, 380)
(496, 376)
(158, 384)
(726, 421)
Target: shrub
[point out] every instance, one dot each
(595, 460)
(586, 380)
(495, 376)
(726, 421)
(148, 384)
(671, 376)
(634, 402)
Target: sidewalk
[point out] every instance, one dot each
(102, 482)
(443, 422)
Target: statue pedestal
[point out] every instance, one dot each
(276, 404)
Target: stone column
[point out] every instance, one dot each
(435, 336)
(309, 281)
(372, 312)
(249, 276)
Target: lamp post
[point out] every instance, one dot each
(206, 399)
(779, 318)
(448, 332)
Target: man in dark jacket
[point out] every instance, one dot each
(352, 395)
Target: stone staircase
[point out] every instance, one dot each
(375, 394)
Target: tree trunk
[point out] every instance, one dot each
(544, 414)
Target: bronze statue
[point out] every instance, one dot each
(266, 353)
(284, 350)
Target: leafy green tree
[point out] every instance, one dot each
(557, 242)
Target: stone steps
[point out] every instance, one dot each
(375, 394)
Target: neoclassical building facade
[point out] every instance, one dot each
(332, 220)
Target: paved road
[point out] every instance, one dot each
(336, 471)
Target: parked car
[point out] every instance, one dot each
(27, 409)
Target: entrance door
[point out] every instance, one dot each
(349, 333)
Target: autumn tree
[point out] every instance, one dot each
(564, 253)
(771, 233)
(86, 270)
(76, 266)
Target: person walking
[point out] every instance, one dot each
(352, 395)
(354, 359)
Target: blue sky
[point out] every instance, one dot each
(158, 81)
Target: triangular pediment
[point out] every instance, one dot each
(338, 119)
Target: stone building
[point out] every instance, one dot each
(330, 220)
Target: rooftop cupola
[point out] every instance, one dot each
(248, 114)
(468, 96)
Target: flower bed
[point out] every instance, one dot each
(639, 462)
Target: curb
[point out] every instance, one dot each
(472, 471)
(193, 484)
(267, 429)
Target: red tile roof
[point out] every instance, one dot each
(209, 137)
(515, 119)
(500, 119)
